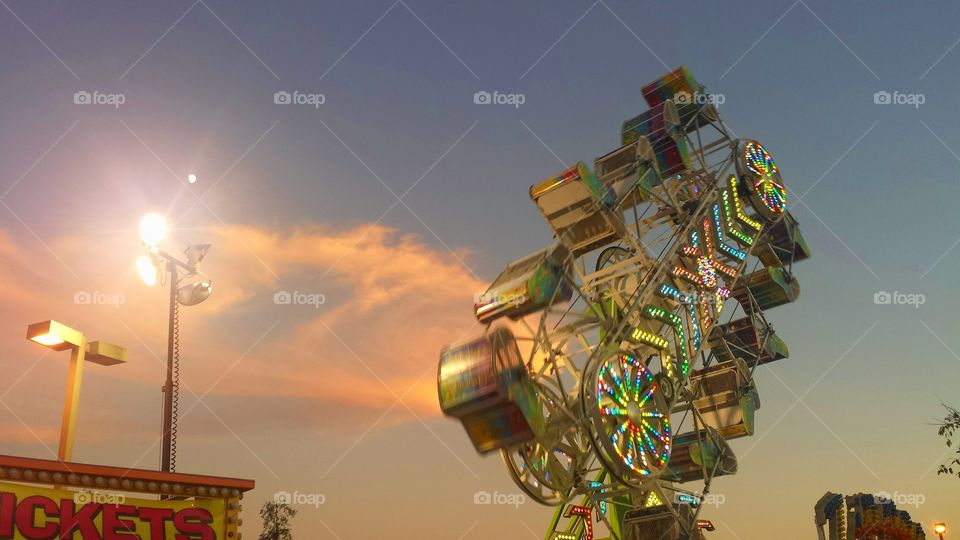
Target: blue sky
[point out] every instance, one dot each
(871, 185)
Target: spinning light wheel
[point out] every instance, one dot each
(630, 418)
(543, 473)
(628, 323)
(767, 191)
(546, 469)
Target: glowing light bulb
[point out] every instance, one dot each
(147, 270)
(48, 339)
(153, 229)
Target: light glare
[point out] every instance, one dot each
(153, 229)
(147, 270)
(48, 339)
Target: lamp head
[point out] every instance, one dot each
(147, 269)
(105, 354)
(54, 335)
(153, 229)
(939, 528)
(195, 255)
(194, 293)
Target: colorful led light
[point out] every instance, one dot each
(602, 507)
(580, 513)
(669, 292)
(650, 338)
(583, 512)
(766, 182)
(639, 431)
(652, 500)
(660, 343)
(676, 322)
(737, 254)
(709, 251)
(707, 272)
(741, 236)
(745, 219)
(691, 303)
(705, 279)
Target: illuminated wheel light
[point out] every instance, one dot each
(767, 191)
(631, 411)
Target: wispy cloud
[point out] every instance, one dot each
(391, 302)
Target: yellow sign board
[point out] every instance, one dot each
(34, 513)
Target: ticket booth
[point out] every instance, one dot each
(44, 499)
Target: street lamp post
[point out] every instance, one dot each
(59, 337)
(153, 229)
(166, 452)
(940, 529)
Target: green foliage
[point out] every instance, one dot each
(948, 430)
(276, 518)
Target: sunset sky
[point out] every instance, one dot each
(398, 199)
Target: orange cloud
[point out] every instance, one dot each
(390, 302)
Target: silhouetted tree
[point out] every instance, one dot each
(949, 427)
(276, 518)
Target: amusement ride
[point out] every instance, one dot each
(617, 363)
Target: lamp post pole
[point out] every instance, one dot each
(166, 453)
(153, 229)
(60, 337)
(68, 423)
